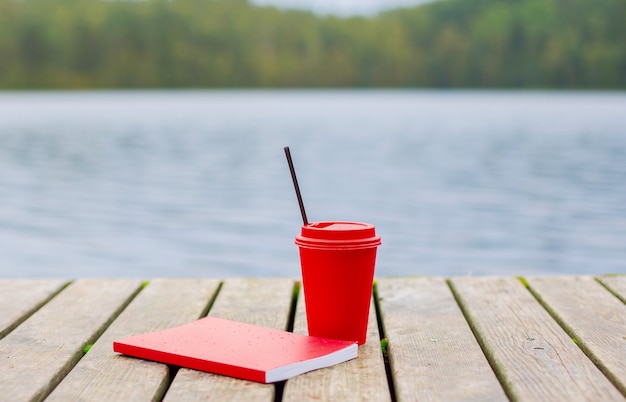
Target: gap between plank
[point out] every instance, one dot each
(279, 387)
(297, 288)
(32, 311)
(481, 342)
(610, 290)
(80, 353)
(212, 300)
(172, 370)
(582, 345)
(384, 343)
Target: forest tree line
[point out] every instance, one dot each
(232, 43)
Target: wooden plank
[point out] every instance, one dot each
(591, 315)
(617, 285)
(103, 375)
(19, 298)
(433, 354)
(264, 302)
(35, 356)
(362, 379)
(533, 357)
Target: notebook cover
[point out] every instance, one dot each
(237, 349)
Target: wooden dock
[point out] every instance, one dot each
(444, 339)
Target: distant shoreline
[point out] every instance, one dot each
(232, 44)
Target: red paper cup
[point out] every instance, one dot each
(337, 260)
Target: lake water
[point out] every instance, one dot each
(195, 183)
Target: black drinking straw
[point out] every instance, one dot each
(295, 185)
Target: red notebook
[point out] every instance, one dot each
(238, 350)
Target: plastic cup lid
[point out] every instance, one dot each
(338, 235)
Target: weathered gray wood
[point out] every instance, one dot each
(535, 359)
(432, 351)
(264, 302)
(19, 298)
(103, 375)
(591, 315)
(361, 379)
(35, 356)
(617, 285)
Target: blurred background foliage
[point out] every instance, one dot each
(232, 43)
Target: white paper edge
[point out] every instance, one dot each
(294, 369)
